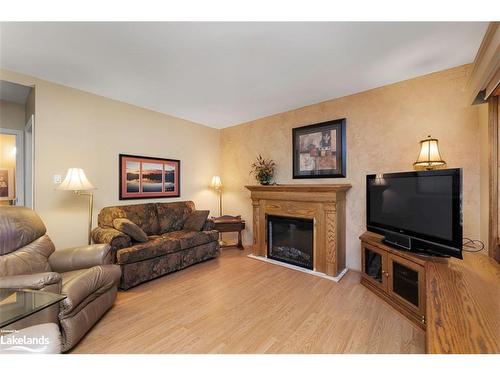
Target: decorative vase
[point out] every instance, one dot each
(264, 178)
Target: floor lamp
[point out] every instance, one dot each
(217, 186)
(77, 182)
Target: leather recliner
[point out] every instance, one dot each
(85, 275)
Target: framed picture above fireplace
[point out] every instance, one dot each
(319, 150)
(144, 177)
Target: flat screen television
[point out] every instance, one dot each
(420, 211)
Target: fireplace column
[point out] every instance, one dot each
(257, 248)
(331, 238)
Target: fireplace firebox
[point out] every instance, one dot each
(290, 240)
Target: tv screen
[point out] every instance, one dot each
(425, 206)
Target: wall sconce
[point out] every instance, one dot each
(429, 157)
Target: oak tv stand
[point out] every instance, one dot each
(395, 275)
(455, 301)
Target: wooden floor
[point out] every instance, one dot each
(235, 304)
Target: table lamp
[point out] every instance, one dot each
(429, 156)
(216, 184)
(76, 181)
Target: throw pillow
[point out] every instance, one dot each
(196, 220)
(131, 229)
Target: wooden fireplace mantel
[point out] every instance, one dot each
(324, 204)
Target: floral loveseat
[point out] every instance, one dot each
(169, 246)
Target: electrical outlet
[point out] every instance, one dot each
(57, 179)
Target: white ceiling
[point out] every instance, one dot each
(13, 92)
(222, 74)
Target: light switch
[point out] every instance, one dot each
(57, 179)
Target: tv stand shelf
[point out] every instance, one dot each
(455, 301)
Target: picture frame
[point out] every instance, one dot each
(143, 177)
(7, 184)
(319, 150)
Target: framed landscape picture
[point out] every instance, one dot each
(319, 150)
(146, 177)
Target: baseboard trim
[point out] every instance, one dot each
(296, 268)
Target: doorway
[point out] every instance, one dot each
(11, 167)
(17, 125)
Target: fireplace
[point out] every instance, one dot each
(290, 240)
(322, 205)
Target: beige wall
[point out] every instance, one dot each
(384, 127)
(79, 129)
(11, 115)
(484, 172)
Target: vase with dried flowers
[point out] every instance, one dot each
(263, 170)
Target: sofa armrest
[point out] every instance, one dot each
(118, 240)
(78, 258)
(34, 281)
(209, 224)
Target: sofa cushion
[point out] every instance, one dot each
(144, 215)
(83, 286)
(171, 216)
(190, 239)
(130, 229)
(155, 247)
(196, 220)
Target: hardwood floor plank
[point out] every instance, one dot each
(236, 304)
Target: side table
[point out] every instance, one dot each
(16, 304)
(227, 223)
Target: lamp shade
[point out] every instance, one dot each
(216, 183)
(75, 180)
(429, 156)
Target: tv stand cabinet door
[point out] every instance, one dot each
(406, 284)
(374, 266)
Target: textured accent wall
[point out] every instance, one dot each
(384, 127)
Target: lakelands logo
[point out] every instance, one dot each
(24, 340)
(23, 343)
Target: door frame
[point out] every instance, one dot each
(19, 199)
(30, 129)
(493, 156)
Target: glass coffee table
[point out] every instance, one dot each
(16, 304)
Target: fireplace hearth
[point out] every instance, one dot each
(290, 240)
